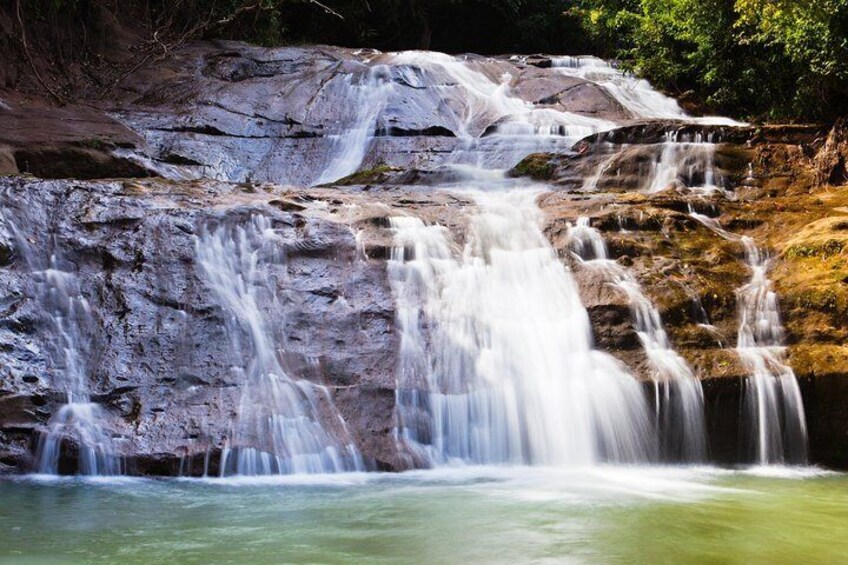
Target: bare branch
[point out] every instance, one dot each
(44, 84)
(326, 9)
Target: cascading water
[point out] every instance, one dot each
(686, 164)
(635, 94)
(497, 364)
(495, 128)
(775, 418)
(368, 94)
(490, 109)
(590, 183)
(772, 397)
(679, 398)
(494, 368)
(284, 425)
(78, 424)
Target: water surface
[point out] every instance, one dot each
(472, 515)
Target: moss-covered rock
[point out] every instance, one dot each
(537, 166)
(375, 175)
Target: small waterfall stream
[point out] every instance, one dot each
(283, 425)
(78, 425)
(367, 98)
(686, 164)
(775, 420)
(637, 95)
(80, 419)
(679, 398)
(772, 397)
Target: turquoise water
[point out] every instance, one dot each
(474, 515)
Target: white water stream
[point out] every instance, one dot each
(775, 420)
(772, 397)
(79, 418)
(497, 364)
(686, 164)
(284, 424)
(678, 398)
(71, 327)
(365, 100)
(635, 94)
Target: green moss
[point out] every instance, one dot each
(821, 299)
(537, 166)
(818, 360)
(367, 176)
(823, 249)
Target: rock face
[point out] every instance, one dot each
(162, 367)
(238, 113)
(260, 119)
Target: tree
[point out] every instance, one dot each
(773, 59)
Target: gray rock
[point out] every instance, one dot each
(161, 361)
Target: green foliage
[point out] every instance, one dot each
(770, 59)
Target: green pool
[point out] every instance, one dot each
(471, 515)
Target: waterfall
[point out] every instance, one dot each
(686, 164)
(774, 410)
(635, 94)
(590, 183)
(71, 326)
(283, 425)
(773, 402)
(496, 128)
(496, 362)
(679, 398)
(367, 96)
(489, 107)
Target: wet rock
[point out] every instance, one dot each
(830, 161)
(163, 364)
(76, 163)
(656, 131)
(8, 166)
(74, 141)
